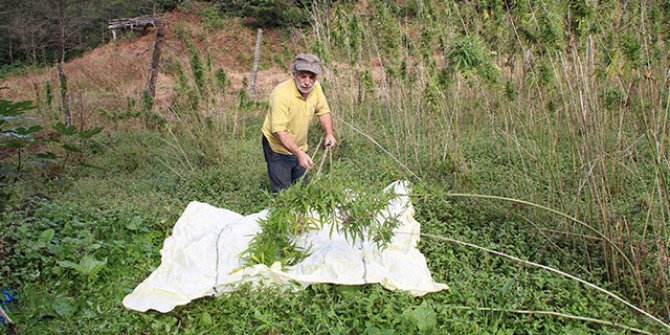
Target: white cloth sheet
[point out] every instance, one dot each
(202, 258)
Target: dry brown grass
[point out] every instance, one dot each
(106, 79)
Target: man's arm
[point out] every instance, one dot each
(326, 121)
(303, 158)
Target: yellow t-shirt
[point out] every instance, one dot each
(290, 112)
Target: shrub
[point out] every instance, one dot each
(268, 13)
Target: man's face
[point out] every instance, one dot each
(304, 80)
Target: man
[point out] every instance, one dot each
(292, 105)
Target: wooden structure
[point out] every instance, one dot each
(141, 22)
(257, 58)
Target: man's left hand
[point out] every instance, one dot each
(329, 141)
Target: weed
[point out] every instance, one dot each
(319, 204)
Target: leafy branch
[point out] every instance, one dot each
(355, 212)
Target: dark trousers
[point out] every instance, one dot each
(283, 170)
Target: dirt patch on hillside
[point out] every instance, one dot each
(112, 77)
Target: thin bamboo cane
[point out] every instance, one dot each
(558, 314)
(548, 268)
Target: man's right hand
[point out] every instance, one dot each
(305, 161)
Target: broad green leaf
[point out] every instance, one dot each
(91, 266)
(13, 143)
(63, 307)
(46, 155)
(71, 148)
(423, 316)
(135, 223)
(206, 319)
(27, 131)
(46, 237)
(69, 265)
(8, 108)
(372, 330)
(90, 133)
(62, 129)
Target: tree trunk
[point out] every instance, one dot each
(591, 49)
(44, 56)
(33, 47)
(155, 64)
(24, 47)
(65, 98)
(257, 58)
(61, 22)
(11, 52)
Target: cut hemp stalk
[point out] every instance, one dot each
(355, 211)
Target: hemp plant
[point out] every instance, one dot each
(356, 212)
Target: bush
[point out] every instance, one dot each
(269, 13)
(13, 141)
(168, 5)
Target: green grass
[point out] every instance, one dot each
(122, 214)
(560, 104)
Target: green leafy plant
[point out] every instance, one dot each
(74, 141)
(423, 317)
(221, 79)
(266, 13)
(16, 139)
(211, 17)
(88, 267)
(186, 97)
(196, 68)
(147, 102)
(467, 55)
(353, 211)
(49, 94)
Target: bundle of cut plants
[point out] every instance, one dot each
(317, 232)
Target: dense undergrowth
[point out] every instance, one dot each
(111, 223)
(564, 105)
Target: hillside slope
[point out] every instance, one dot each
(112, 77)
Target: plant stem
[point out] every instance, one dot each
(558, 314)
(600, 234)
(548, 268)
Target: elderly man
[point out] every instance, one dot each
(292, 105)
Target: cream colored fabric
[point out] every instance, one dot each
(202, 258)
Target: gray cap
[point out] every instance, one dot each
(307, 62)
